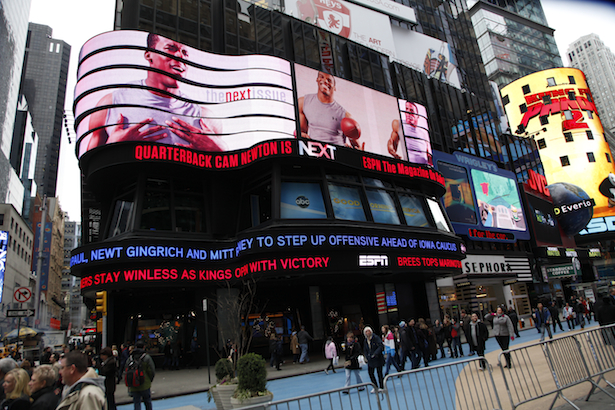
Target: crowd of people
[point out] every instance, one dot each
(74, 379)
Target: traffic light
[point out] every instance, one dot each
(101, 302)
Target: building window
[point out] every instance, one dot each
(571, 80)
(608, 157)
(565, 161)
(568, 137)
(505, 100)
(526, 89)
(551, 82)
(590, 157)
(546, 99)
(542, 143)
(544, 120)
(1, 219)
(523, 108)
(571, 96)
(567, 115)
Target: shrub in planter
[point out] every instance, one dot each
(224, 370)
(252, 374)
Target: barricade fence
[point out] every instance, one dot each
(549, 367)
(529, 373)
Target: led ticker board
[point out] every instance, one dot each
(481, 200)
(138, 87)
(141, 262)
(555, 107)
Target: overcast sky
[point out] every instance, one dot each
(76, 21)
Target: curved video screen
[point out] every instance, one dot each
(135, 86)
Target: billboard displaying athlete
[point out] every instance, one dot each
(135, 86)
(340, 112)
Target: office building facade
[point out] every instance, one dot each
(44, 85)
(590, 55)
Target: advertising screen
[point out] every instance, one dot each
(426, 54)
(326, 101)
(415, 129)
(356, 23)
(302, 200)
(543, 219)
(4, 240)
(138, 87)
(555, 107)
(481, 200)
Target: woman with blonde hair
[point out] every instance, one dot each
(16, 390)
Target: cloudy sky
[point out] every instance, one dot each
(75, 21)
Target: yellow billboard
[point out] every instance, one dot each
(555, 107)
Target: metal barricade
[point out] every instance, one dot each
(459, 385)
(545, 368)
(357, 398)
(598, 347)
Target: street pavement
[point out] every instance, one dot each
(186, 389)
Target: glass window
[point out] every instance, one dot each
(542, 143)
(551, 82)
(302, 200)
(413, 209)
(156, 214)
(590, 157)
(382, 205)
(590, 136)
(565, 161)
(346, 202)
(188, 213)
(122, 217)
(438, 215)
(568, 137)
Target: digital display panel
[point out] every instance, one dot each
(542, 215)
(346, 202)
(138, 87)
(382, 205)
(415, 130)
(302, 200)
(556, 108)
(332, 109)
(414, 211)
(4, 240)
(481, 200)
(498, 201)
(458, 200)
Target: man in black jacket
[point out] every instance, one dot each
(303, 337)
(477, 336)
(42, 386)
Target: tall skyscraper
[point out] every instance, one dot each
(13, 29)
(44, 85)
(590, 55)
(514, 38)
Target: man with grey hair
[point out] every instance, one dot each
(6, 365)
(42, 386)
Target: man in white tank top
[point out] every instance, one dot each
(139, 114)
(321, 116)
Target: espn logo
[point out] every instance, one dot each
(373, 260)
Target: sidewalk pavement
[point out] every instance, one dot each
(186, 389)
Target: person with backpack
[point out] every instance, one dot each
(139, 375)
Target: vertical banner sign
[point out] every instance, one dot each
(4, 240)
(46, 255)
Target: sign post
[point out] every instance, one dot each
(21, 295)
(206, 339)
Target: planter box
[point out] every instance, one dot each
(222, 395)
(251, 401)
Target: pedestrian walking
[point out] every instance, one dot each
(294, 347)
(352, 350)
(542, 318)
(570, 315)
(456, 339)
(388, 338)
(374, 355)
(304, 338)
(554, 311)
(143, 392)
(331, 354)
(108, 369)
(464, 323)
(477, 336)
(503, 331)
(514, 318)
(439, 331)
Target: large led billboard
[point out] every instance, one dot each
(387, 126)
(481, 200)
(4, 245)
(555, 107)
(138, 87)
(135, 87)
